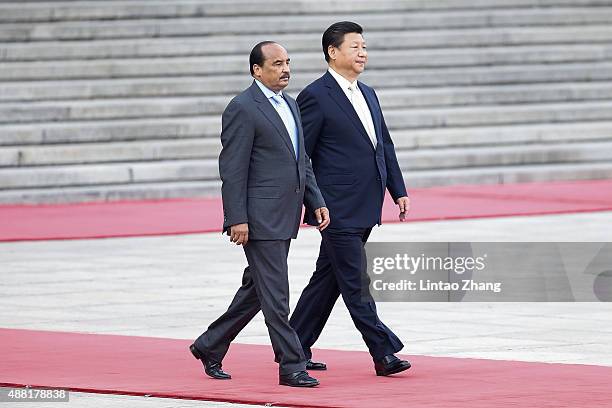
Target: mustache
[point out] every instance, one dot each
(286, 76)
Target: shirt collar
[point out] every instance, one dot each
(267, 91)
(342, 81)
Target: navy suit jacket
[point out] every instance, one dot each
(351, 175)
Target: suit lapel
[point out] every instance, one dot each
(374, 111)
(338, 95)
(301, 146)
(296, 116)
(272, 115)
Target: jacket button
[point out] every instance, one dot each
(297, 190)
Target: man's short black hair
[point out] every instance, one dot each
(334, 35)
(257, 56)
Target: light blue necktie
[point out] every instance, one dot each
(285, 113)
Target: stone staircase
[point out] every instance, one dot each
(121, 99)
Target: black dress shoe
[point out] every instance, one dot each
(212, 368)
(314, 365)
(390, 365)
(298, 379)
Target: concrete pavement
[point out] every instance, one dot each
(174, 286)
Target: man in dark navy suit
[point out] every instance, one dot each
(354, 162)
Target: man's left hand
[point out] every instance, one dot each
(322, 215)
(404, 206)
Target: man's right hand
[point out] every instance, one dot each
(239, 234)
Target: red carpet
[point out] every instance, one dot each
(164, 368)
(141, 218)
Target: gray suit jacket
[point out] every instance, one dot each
(264, 184)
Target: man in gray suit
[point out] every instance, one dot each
(266, 176)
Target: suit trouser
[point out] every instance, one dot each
(265, 287)
(341, 269)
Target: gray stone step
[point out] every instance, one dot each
(113, 173)
(414, 179)
(207, 169)
(104, 10)
(179, 128)
(463, 116)
(502, 135)
(421, 140)
(304, 23)
(384, 59)
(233, 44)
(411, 120)
(390, 98)
(436, 159)
(111, 109)
(232, 84)
(489, 75)
(221, 45)
(494, 95)
(109, 131)
(110, 152)
(509, 174)
(498, 115)
(142, 87)
(142, 191)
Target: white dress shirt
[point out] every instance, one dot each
(354, 95)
